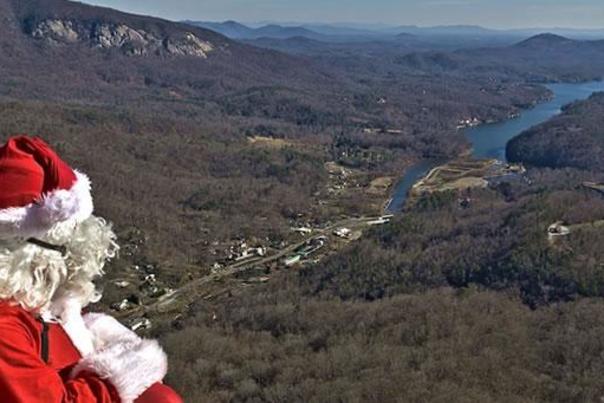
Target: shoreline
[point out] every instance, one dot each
(471, 152)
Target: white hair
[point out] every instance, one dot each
(33, 276)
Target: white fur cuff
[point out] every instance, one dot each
(107, 330)
(131, 366)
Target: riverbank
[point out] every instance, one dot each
(463, 174)
(488, 142)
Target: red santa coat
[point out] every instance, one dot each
(36, 366)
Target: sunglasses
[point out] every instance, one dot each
(62, 249)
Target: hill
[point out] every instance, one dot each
(132, 101)
(168, 107)
(277, 31)
(231, 29)
(572, 139)
(239, 31)
(180, 105)
(296, 45)
(544, 40)
(99, 48)
(319, 32)
(464, 288)
(543, 58)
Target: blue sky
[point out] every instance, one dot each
(490, 13)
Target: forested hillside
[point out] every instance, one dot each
(450, 302)
(542, 58)
(95, 83)
(573, 139)
(273, 344)
(500, 241)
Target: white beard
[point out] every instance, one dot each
(33, 277)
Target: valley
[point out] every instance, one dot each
(458, 177)
(333, 217)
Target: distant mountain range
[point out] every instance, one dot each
(342, 33)
(95, 52)
(323, 33)
(540, 58)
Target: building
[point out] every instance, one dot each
(303, 230)
(342, 233)
(292, 260)
(557, 229)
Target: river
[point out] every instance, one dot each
(489, 140)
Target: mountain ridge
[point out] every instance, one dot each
(63, 22)
(340, 32)
(546, 39)
(86, 44)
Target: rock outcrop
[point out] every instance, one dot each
(189, 45)
(56, 31)
(131, 41)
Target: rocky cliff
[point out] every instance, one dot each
(129, 40)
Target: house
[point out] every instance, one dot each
(303, 230)
(342, 233)
(140, 324)
(557, 229)
(121, 306)
(379, 221)
(292, 260)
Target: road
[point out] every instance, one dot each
(194, 289)
(594, 224)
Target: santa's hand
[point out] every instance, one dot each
(131, 366)
(106, 330)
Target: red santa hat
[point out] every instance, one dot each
(38, 190)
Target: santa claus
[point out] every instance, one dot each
(51, 249)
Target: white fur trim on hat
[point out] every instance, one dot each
(54, 207)
(131, 367)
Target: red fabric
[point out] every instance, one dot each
(26, 378)
(29, 169)
(159, 393)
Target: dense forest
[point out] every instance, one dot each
(499, 241)
(451, 301)
(273, 344)
(573, 139)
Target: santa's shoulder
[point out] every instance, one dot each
(16, 320)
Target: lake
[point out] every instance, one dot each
(490, 140)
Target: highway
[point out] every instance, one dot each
(194, 289)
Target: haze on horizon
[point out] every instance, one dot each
(585, 14)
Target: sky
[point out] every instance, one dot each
(487, 13)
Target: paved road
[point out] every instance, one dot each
(193, 290)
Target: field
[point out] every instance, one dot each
(464, 174)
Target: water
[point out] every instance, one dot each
(412, 175)
(490, 140)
